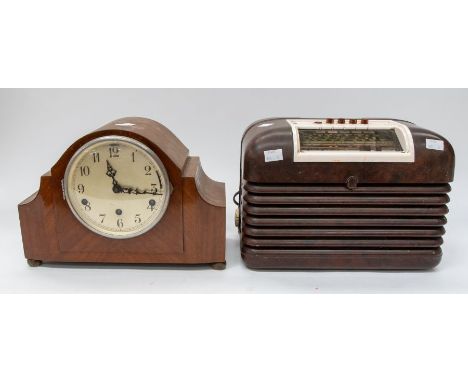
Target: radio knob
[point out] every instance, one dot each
(352, 182)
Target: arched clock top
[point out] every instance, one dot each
(151, 133)
(154, 132)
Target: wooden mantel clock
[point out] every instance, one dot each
(126, 193)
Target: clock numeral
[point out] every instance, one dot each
(120, 223)
(137, 218)
(96, 157)
(154, 189)
(147, 170)
(87, 205)
(80, 188)
(102, 216)
(114, 151)
(133, 156)
(84, 170)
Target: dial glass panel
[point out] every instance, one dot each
(349, 140)
(117, 187)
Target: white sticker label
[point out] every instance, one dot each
(434, 144)
(273, 155)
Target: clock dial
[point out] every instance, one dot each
(117, 187)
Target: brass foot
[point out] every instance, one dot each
(34, 263)
(218, 266)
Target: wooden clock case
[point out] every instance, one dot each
(192, 230)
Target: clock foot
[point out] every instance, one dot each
(218, 266)
(34, 263)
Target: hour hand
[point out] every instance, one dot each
(116, 187)
(110, 171)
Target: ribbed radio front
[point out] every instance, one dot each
(372, 226)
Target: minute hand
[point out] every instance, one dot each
(136, 191)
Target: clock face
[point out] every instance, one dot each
(117, 187)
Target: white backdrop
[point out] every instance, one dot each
(38, 125)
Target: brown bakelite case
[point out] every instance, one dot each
(192, 230)
(341, 214)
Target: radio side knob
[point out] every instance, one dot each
(236, 217)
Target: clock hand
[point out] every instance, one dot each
(110, 170)
(136, 191)
(116, 187)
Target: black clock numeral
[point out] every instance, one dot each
(80, 188)
(133, 156)
(96, 158)
(102, 217)
(114, 151)
(84, 170)
(154, 188)
(137, 218)
(86, 204)
(120, 223)
(147, 170)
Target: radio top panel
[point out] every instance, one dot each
(372, 150)
(351, 140)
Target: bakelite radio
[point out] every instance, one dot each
(343, 194)
(126, 193)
